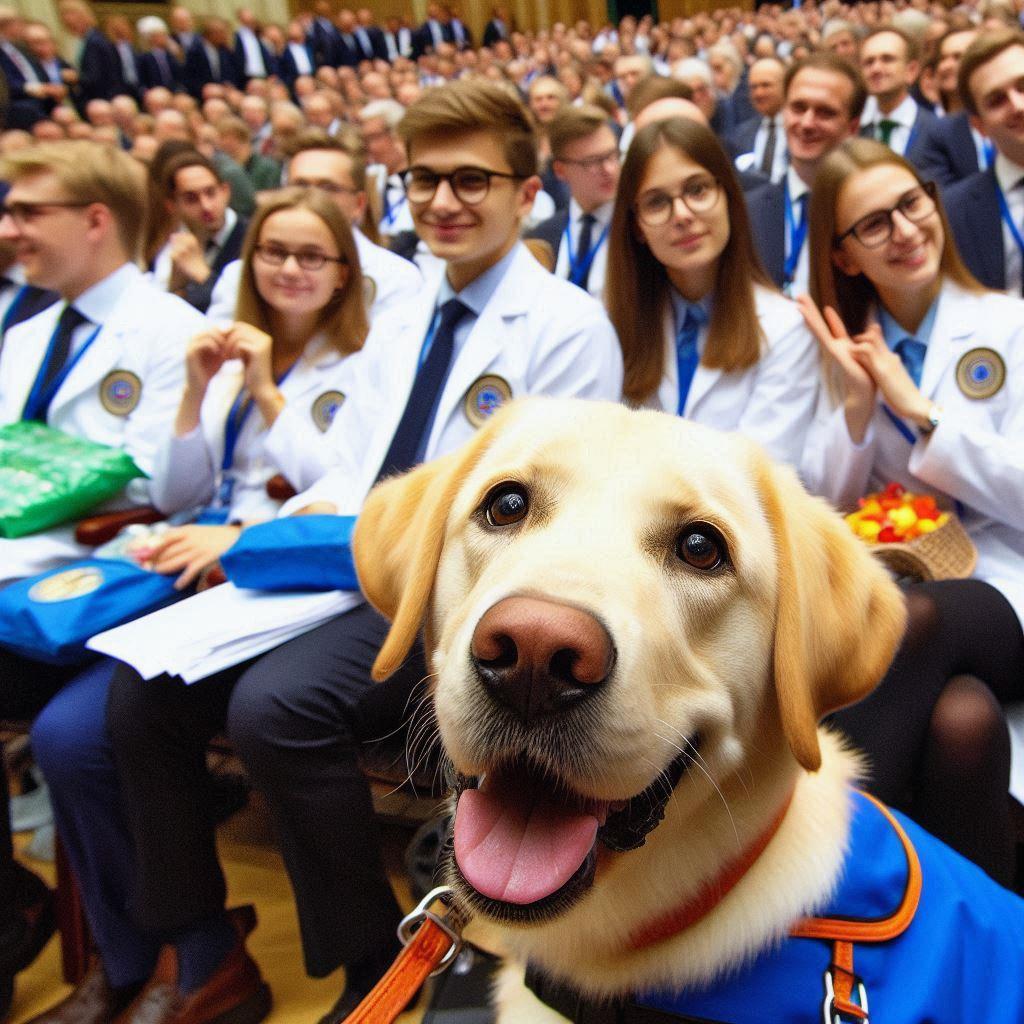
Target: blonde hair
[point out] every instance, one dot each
(90, 172)
(344, 319)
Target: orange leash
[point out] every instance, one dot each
(432, 942)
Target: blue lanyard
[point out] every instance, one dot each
(237, 415)
(578, 270)
(392, 215)
(796, 233)
(1004, 211)
(13, 308)
(38, 404)
(908, 434)
(989, 153)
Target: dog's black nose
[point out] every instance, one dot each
(539, 656)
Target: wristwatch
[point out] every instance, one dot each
(934, 417)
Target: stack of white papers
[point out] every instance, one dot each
(218, 628)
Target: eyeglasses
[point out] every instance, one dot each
(331, 188)
(593, 163)
(875, 229)
(470, 184)
(20, 213)
(307, 259)
(698, 194)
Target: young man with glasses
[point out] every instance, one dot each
(105, 362)
(496, 327)
(586, 158)
(824, 98)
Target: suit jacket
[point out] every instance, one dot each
(403, 40)
(199, 295)
(269, 60)
(287, 70)
(551, 230)
(948, 154)
(151, 72)
(24, 110)
(467, 44)
(493, 31)
(377, 43)
(972, 206)
(423, 38)
(197, 71)
(742, 106)
(99, 71)
(767, 209)
(325, 41)
(741, 139)
(555, 187)
(924, 125)
(346, 51)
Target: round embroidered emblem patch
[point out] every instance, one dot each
(325, 408)
(64, 586)
(120, 392)
(980, 373)
(485, 397)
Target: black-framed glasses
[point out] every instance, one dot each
(699, 194)
(330, 188)
(20, 212)
(875, 229)
(470, 184)
(307, 259)
(593, 163)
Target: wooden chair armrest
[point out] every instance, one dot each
(279, 489)
(99, 529)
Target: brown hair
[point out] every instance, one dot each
(344, 319)
(824, 60)
(913, 47)
(987, 46)
(854, 297)
(637, 285)
(90, 172)
(655, 87)
(572, 124)
(182, 160)
(470, 106)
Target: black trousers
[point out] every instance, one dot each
(297, 717)
(25, 688)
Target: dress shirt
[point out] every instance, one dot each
(602, 218)
(904, 115)
(1011, 180)
(20, 61)
(802, 277)
(781, 158)
(255, 66)
(300, 55)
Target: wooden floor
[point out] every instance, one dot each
(255, 875)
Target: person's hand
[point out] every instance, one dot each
(858, 384)
(69, 76)
(188, 550)
(255, 349)
(898, 389)
(205, 355)
(187, 262)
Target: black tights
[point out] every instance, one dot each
(934, 729)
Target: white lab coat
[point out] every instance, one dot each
(772, 401)
(391, 281)
(188, 468)
(145, 335)
(976, 454)
(541, 335)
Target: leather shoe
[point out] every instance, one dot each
(234, 994)
(94, 1001)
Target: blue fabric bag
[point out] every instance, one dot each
(50, 617)
(294, 553)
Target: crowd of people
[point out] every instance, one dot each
(275, 264)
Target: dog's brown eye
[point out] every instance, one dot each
(506, 505)
(699, 545)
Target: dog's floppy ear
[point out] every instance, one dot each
(398, 540)
(839, 618)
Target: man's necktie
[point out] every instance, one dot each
(768, 157)
(911, 353)
(403, 453)
(70, 319)
(687, 355)
(581, 268)
(165, 68)
(885, 130)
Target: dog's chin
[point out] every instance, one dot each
(523, 847)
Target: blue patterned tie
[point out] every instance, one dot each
(403, 453)
(911, 353)
(687, 356)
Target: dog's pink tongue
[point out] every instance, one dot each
(517, 844)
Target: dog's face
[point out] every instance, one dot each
(618, 607)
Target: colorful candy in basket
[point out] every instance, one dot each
(912, 535)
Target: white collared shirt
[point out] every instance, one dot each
(780, 160)
(300, 55)
(602, 218)
(20, 61)
(255, 66)
(802, 277)
(1010, 175)
(905, 114)
(98, 302)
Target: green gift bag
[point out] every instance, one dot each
(48, 477)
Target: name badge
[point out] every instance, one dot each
(980, 373)
(325, 408)
(64, 586)
(485, 397)
(120, 392)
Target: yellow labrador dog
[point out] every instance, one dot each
(635, 625)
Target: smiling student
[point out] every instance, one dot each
(497, 326)
(703, 331)
(927, 389)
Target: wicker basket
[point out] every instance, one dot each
(947, 554)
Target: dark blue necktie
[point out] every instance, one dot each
(70, 320)
(687, 356)
(911, 353)
(403, 452)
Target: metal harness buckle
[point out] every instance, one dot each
(831, 1015)
(409, 924)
